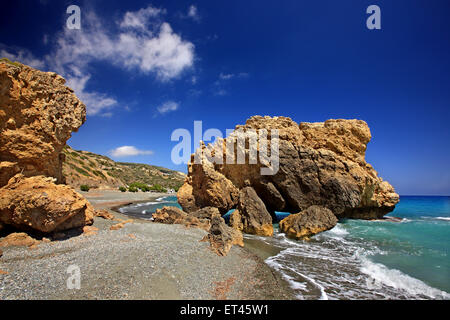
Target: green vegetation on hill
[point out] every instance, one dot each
(6, 60)
(87, 168)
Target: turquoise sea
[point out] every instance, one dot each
(363, 259)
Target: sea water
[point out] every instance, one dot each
(361, 259)
(144, 210)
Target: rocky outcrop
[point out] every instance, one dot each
(121, 224)
(173, 215)
(221, 237)
(205, 213)
(37, 203)
(18, 239)
(90, 230)
(307, 223)
(206, 187)
(38, 113)
(319, 164)
(251, 215)
(105, 214)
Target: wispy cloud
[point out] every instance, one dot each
(22, 55)
(106, 115)
(221, 83)
(194, 92)
(140, 19)
(129, 151)
(220, 92)
(168, 106)
(96, 102)
(228, 76)
(143, 43)
(193, 13)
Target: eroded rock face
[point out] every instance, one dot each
(307, 223)
(251, 215)
(205, 213)
(18, 239)
(206, 187)
(221, 237)
(38, 113)
(319, 164)
(37, 203)
(173, 215)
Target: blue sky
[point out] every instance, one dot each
(145, 68)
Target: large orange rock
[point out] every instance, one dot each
(206, 187)
(251, 215)
(307, 223)
(38, 113)
(319, 164)
(37, 203)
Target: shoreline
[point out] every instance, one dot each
(133, 263)
(257, 250)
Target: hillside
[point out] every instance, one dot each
(98, 171)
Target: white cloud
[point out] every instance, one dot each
(140, 19)
(95, 101)
(212, 38)
(22, 56)
(195, 92)
(143, 43)
(193, 13)
(168, 107)
(219, 84)
(226, 76)
(220, 92)
(106, 115)
(129, 151)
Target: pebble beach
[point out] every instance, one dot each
(142, 260)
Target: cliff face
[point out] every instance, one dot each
(38, 113)
(37, 116)
(319, 164)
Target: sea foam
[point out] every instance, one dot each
(380, 274)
